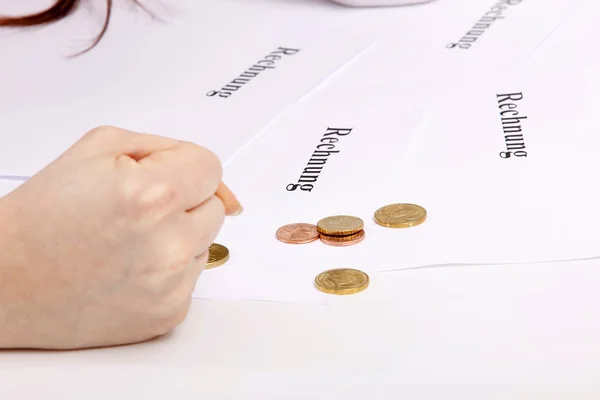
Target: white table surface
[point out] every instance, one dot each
(501, 332)
(485, 333)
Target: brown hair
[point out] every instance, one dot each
(59, 10)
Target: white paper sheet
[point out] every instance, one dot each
(482, 208)
(573, 43)
(507, 172)
(7, 186)
(156, 78)
(572, 51)
(362, 144)
(454, 44)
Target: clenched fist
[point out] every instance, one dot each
(104, 246)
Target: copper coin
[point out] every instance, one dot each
(339, 241)
(297, 233)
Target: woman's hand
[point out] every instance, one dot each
(104, 246)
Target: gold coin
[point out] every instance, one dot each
(340, 225)
(341, 241)
(342, 281)
(400, 215)
(217, 255)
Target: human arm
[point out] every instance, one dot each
(104, 246)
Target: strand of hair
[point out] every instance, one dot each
(56, 12)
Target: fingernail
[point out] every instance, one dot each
(238, 212)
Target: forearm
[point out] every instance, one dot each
(12, 290)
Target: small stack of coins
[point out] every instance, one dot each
(346, 230)
(341, 230)
(337, 230)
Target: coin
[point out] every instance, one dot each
(340, 225)
(340, 241)
(297, 233)
(402, 215)
(217, 255)
(342, 281)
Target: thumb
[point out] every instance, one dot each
(231, 203)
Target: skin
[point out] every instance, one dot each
(103, 247)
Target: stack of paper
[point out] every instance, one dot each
(481, 112)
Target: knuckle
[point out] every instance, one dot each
(158, 195)
(144, 199)
(175, 254)
(214, 162)
(102, 133)
(208, 158)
